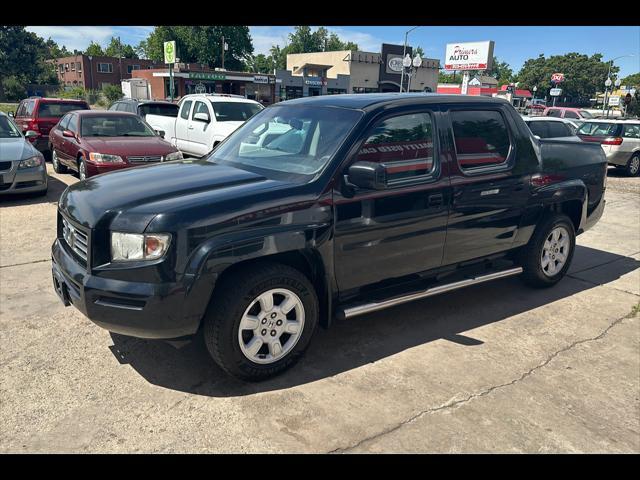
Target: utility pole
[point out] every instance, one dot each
(223, 52)
(404, 54)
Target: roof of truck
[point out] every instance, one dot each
(371, 100)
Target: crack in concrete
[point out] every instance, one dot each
(489, 390)
(25, 263)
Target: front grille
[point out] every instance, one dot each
(76, 239)
(145, 159)
(5, 166)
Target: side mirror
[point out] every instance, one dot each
(12, 114)
(160, 133)
(202, 117)
(68, 134)
(367, 175)
(30, 134)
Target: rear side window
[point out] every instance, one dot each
(558, 129)
(570, 114)
(115, 106)
(404, 144)
(481, 138)
(57, 110)
(554, 113)
(167, 110)
(26, 109)
(598, 129)
(631, 131)
(540, 129)
(184, 110)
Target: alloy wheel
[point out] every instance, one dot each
(555, 251)
(271, 326)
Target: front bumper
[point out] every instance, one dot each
(25, 180)
(144, 310)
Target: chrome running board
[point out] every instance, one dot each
(353, 311)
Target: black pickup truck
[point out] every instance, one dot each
(319, 209)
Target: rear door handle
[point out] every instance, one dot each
(435, 200)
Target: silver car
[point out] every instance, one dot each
(620, 140)
(22, 167)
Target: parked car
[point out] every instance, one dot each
(620, 141)
(144, 107)
(364, 202)
(94, 142)
(204, 121)
(552, 127)
(22, 166)
(566, 112)
(39, 115)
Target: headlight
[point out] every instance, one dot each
(133, 246)
(105, 158)
(31, 162)
(173, 156)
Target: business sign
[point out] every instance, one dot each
(469, 56)
(394, 63)
(260, 79)
(315, 82)
(557, 77)
(170, 52)
(613, 101)
(206, 76)
(200, 88)
(555, 92)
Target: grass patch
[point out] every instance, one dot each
(8, 107)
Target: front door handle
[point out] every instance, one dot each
(190, 127)
(435, 200)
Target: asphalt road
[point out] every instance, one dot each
(493, 368)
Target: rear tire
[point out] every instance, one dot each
(55, 161)
(633, 165)
(237, 320)
(548, 255)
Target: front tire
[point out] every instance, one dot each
(548, 255)
(633, 165)
(55, 161)
(261, 320)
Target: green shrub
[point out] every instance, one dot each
(14, 88)
(112, 92)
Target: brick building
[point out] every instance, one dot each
(94, 72)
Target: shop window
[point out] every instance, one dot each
(481, 138)
(404, 144)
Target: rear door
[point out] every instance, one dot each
(489, 191)
(399, 231)
(182, 127)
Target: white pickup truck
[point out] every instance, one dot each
(204, 120)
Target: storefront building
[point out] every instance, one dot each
(191, 79)
(345, 71)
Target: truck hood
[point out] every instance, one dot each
(130, 199)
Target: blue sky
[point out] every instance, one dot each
(512, 44)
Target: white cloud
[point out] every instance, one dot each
(75, 37)
(365, 41)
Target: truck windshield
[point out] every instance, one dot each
(293, 140)
(235, 111)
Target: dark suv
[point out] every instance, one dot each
(144, 107)
(40, 115)
(320, 208)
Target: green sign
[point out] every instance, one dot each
(170, 52)
(206, 76)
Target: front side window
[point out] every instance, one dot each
(570, 114)
(289, 142)
(481, 138)
(554, 112)
(64, 122)
(585, 114)
(184, 110)
(235, 111)
(403, 144)
(115, 126)
(73, 123)
(540, 129)
(8, 129)
(200, 107)
(558, 129)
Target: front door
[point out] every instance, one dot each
(201, 132)
(398, 231)
(489, 189)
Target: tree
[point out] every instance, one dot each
(94, 49)
(584, 75)
(631, 81)
(418, 51)
(112, 92)
(259, 63)
(200, 44)
(23, 58)
(501, 71)
(55, 51)
(118, 49)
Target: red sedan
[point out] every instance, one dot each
(92, 142)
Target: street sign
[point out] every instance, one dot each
(557, 77)
(170, 52)
(555, 92)
(614, 101)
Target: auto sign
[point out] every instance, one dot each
(557, 77)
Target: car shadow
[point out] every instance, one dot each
(353, 343)
(617, 172)
(56, 187)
